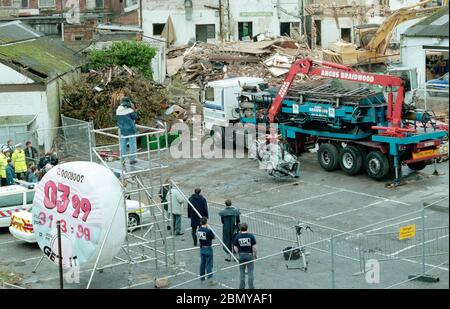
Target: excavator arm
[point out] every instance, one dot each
(332, 70)
(380, 41)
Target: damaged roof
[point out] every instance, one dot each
(434, 26)
(29, 52)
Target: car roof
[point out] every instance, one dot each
(13, 189)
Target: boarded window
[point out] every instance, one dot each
(205, 32)
(158, 29)
(46, 3)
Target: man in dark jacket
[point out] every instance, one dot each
(126, 117)
(200, 204)
(230, 220)
(44, 160)
(31, 154)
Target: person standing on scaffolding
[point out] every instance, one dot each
(126, 118)
(230, 220)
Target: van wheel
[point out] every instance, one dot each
(328, 156)
(350, 160)
(377, 165)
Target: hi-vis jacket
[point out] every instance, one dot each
(3, 164)
(20, 164)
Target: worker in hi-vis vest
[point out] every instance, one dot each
(20, 163)
(4, 155)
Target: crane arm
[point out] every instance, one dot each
(342, 72)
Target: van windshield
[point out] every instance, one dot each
(11, 200)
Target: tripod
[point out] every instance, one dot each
(301, 249)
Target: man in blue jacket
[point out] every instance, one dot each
(126, 117)
(10, 173)
(200, 204)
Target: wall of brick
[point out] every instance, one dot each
(131, 18)
(84, 32)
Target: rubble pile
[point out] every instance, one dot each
(97, 94)
(203, 62)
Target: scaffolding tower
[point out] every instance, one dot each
(147, 237)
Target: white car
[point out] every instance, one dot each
(13, 199)
(22, 225)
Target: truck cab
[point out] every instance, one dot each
(220, 101)
(409, 75)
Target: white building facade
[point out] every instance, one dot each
(201, 20)
(425, 40)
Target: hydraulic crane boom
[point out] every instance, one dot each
(342, 72)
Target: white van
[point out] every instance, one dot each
(13, 199)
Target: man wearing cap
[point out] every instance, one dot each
(20, 164)
(4, 155)
(126, 117)
(10, 146)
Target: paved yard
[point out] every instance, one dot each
(330, 203)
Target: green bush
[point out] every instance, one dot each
(131, 53)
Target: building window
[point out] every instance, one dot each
(205, 32)
(46, 3)
(245, 31)
(5, 3)
(158, 29)
(346, 34)
(24, 4)
(99, 4)
(289, 29)
(131, 2)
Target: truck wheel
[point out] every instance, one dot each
(328, 156)
(351, 160)
(218, 135)
(377, 165)
(417, 166)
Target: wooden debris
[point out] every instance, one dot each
(82, 101)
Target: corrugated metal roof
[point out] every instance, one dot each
(435, 26)
(43, 57)
(16, 31)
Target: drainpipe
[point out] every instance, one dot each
(62, 22)
(140, 14)
(220, 21)
(229, 19)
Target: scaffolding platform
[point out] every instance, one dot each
(126, 168)
(146, 240)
